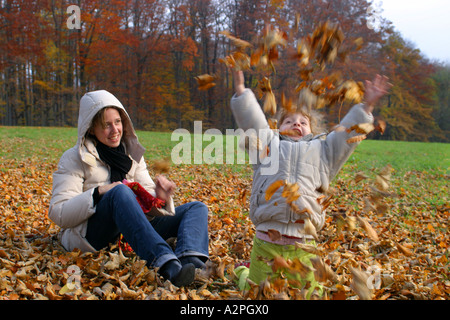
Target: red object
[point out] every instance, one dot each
(124, 245)
(145, 199)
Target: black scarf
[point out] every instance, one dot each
(119, 162)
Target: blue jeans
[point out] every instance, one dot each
(118, 212)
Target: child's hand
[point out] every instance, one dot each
(238, 77)
(375, 90)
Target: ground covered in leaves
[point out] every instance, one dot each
(396, 240)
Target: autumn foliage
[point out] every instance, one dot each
(386, 237)
(149, 53)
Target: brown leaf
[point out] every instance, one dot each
(309, 248)
(359, 284)
(273, 123)
(356, 138)
(359, 177)
(381, 126)
(279, 263)
(270, 104)
(297, 266)
(310, 229)
(239, 43)
(273, 188)
(290, 192)
(364, 128)
(323, 271)
(404, 250)
(274, 235)
(161, 166)
(205, 81)
(369, 230)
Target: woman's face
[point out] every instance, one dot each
(110, 132)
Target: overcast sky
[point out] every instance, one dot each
(424, 23)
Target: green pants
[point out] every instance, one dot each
(260, 270)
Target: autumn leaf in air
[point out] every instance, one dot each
(359, 284)
(270, 104)
(273, 188)
(357, 138)
(205, 81)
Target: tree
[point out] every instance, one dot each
(441, 112)
(410, 104)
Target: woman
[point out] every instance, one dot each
(93, 207)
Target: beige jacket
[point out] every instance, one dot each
(80, 170)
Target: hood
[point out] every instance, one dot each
(93, 102)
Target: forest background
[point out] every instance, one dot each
(148, 54)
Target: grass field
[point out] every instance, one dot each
(411, 223)
(50, 143)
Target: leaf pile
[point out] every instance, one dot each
(379, 241)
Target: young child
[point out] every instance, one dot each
(306, 158)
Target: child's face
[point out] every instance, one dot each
(295, 126)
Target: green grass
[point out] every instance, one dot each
(48, 144)
(402, 156)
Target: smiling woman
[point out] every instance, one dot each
(107, 127)
(94, 207)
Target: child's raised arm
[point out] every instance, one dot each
(238, 77)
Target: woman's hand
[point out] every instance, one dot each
(238, 77)
(164, 188)
(375, 90)
(104, 189)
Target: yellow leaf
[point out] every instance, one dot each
(290, 192)
(65, 289)
(273, 188)
(310, 229)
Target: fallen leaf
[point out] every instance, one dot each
(369, 230)
(404, 250)
(359, 284)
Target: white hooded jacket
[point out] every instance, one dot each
(80, 171)
(311, 162)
